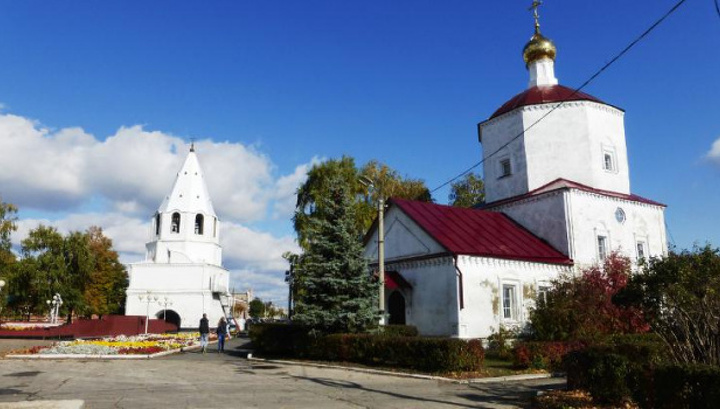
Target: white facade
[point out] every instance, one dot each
(182, 276)
(458, 296)
(573, 219)
(573, 142)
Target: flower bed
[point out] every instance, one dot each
(121, 345)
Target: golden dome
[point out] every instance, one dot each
(537, 48)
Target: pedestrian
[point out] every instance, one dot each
(204, 332)
(221, 333)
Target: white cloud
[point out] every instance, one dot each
(71, 180)
(714, 153)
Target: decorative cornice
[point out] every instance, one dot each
(550, 105)
(613, 198)
(515, 264)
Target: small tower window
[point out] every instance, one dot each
(157, 224)
(608, 162)
(214, 227)
(175, 226)
(199, 222)
(505, 168)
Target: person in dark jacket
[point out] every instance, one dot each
(204, 332)
(221, 333)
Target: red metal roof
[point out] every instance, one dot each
(479, 232)
(543, 95)
(394, 280)
(561, 183)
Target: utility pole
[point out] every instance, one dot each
(381, 257)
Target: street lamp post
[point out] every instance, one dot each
(148, 297)
(54, 306)
(165, 303)
(381, 245)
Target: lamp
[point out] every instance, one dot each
(148, 297)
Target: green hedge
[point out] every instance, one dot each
(399, 330)
(617, 369)
(682, 387)
(424, 354)
(277, 339)
(411, 352)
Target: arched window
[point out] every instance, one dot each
(157, 224)
(214, 227)
(175, 226)
(199, 222)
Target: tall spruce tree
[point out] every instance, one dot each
(336, 293)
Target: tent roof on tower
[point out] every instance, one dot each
(189, 193)
(475, 232)
(544, 95)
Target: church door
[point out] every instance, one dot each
(397, 308)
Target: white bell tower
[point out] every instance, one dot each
(182, 276)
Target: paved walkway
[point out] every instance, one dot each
(212, 380)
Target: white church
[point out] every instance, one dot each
(182, 276)
(558, 199)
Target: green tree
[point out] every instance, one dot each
(105, 289)
(336, 294)
(467, 192)
(680, 296)
(386, 183)
(257, 308)
(7, 258)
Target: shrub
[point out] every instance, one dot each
(543, 355)
(684, 386)
(424, 354)
(280, 339)
(499, 343)
(616, 369)
(398, 330)
(580, 308)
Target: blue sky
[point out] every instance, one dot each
(283, 83)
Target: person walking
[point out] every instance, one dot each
(221, 333)
(204, 332)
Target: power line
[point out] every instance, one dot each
(575, 91)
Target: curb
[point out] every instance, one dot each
(509, 378)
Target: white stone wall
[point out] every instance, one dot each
(545, 215)
(483, 280)
(403, 239)
(190, 287)
(569, 143)
(593, 214)
(494, 134)
(431, 304)
(185, 246)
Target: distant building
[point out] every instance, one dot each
(182, 273)
(558, 199)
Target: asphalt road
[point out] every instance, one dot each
(212, 380)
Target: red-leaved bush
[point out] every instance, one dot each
(581, 307)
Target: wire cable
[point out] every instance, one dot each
(575, 91)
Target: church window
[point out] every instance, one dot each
(157, 224)
(640, 250)
(505, 168)
(175, 224)
(608, 157)
(214, 227)
(509, 301)
(620, 215)
(199, 221)
(542, 293)
(602, 243)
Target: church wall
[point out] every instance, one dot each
(189, 287)
(431, 304)
(483, 282)
(544, 215)
(594, 215)
(403, 238)
(571, 143)
(496, 133)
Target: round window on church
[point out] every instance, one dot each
(620, 215)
